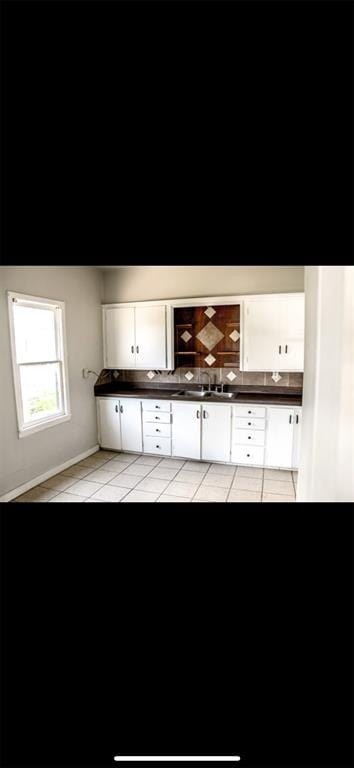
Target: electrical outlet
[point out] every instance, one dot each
(85, 373)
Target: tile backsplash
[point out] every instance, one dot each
(195, 376)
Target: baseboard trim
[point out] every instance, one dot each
(46, 475)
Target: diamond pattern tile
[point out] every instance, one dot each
(209, 312)
(210, 359)
(231, 376)
(150, 375)
(276, 377)
(210, 336)
(189, 375)
(234, 335)
(186, 336)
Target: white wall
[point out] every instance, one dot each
(149, 283)
(326, 470)
(81, 290)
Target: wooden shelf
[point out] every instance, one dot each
(188, 353)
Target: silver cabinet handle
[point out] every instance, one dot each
(116, 409)
(157, 430)
(121, 409)
(157, 418)
(297, 419)
(290, 419)
(279, 349)
(198, 414)
(205, 415)
(137, 350)
(286, 349)
(132, 349)
(157, 406)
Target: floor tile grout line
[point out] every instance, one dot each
(233, 478)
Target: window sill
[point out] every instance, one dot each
(26, 431)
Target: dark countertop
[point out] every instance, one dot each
(291, 396)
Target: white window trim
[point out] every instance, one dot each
(51, 421)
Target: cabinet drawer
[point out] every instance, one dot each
(160, 445)
(242, 423)
(156, 405)
(249, 410)
(153, 429)
(248, 437)
(242, 454)
(156, 416)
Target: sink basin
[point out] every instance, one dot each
(226, 395)
(191, 393)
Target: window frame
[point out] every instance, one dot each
(25, 429)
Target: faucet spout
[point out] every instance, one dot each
(204, 373)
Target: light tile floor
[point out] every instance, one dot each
(108, 476)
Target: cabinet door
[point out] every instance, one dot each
(297, 439)
(262, 335)
(294, 323)
(150, 324)
(131, 427)
(216, 432)
(279, 437)
(119, 337)
(186, 419)
(109, 423)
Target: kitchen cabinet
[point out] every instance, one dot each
(135, 337)
(119, 424)
(273, 333)
(216, 432)
(186, 432)
(157, 427)
(279, 437)
(297, 438)
(109, 434)
(130, 425)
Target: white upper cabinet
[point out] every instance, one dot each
(150, 337)
(137, 337)
(273, 333)
(119, 337)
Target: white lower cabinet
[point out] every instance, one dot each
(119, 424)
(130, 424)
(253, 435)
(109, 434)
(279, 437)
(216, 432)
(186, 434)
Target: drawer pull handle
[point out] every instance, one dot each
(249, 437)
(249, 423)
(157, 417)
(157, 406)
(157, 430)
(249, 411)
(248, 455)
(158, 446)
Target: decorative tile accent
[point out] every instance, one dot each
(189, 375)
(210, 359)
(210, 312)
(234, 335)
(276, 377)
(186, 336)
(150, 375)
(210, 335)
(231, 376)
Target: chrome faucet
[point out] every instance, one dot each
(204, 373)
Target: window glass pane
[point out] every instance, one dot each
(34, 334)
(41, 391)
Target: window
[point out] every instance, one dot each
(37, 330)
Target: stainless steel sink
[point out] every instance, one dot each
(205, 393)
(191, 393)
